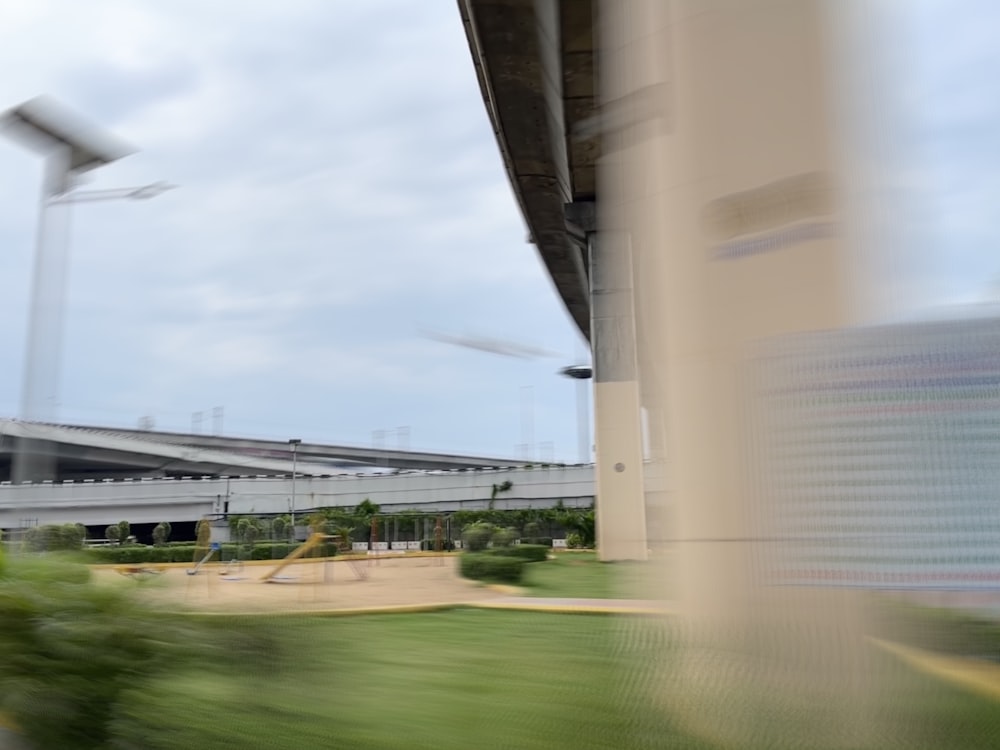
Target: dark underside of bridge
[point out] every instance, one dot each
(80, 462)
(535, 64)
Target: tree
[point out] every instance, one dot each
(580, 522)
(111, 533)
(124, 531)
(248, 531)
(161, 533)
(279, 528)
(203, 533)
(498, 489)
(344, 533)
(318, 524)
(366, 509)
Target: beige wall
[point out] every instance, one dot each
(728, 191)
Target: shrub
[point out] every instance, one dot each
(135, 554)
(131, 554)
(504, 537)
(545, 541)
(477, 536)
(161, 533)
(527, 552)
(280, 527)
(574, 540)
(73, 654)
(490, 567)
(55, 537)
(48, 569)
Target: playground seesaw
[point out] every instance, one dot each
(314, 541)
(213, 548)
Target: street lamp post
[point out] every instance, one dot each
(294, 443)
(71, 148)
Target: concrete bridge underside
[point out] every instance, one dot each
(104, 453)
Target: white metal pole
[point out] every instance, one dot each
(528, 422)
(295, 446)
(583, 420)
(39, 390)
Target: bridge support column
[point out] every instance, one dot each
(620, 501)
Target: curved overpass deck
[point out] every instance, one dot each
(535, 65)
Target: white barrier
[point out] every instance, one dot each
(559, 543)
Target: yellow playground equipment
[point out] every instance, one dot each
(298, 553)
(314, 541)
(139, 572)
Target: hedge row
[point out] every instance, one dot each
(545, 541)
(483, 566)
(138, 553)
(501, 564)
(526, 552)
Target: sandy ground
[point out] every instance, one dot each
(333, 585)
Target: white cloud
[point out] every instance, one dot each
(339, 188)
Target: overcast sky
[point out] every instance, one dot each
(341, 189)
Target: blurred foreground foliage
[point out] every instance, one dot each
(72, 650)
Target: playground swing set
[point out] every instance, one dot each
(312, 545)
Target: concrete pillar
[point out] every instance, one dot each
(620, 507)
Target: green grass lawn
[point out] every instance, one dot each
(582, 575)
(474, 679)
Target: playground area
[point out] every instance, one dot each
(309, 584)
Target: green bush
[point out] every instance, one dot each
(135, 554)
(128, 555)
(527, 552)
(503, 537)
(55, 537)
(545, 541)
(45, 569)
(72, 652)
(476, 537)
(574, 540)
(161, 533)
(490, 567)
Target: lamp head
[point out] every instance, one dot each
(578, 372)
(46, 126)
